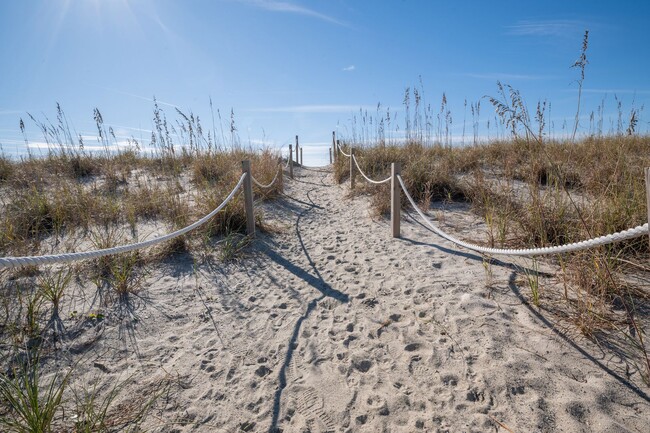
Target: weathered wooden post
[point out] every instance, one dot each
(248, 198)
(281, 174)
(334, 145)
(647, 192)
(395, 201)
(330, 155)
(301, 163)
(297, 147)
(290, 162)
(352, 171)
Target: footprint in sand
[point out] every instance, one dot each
(310, 405)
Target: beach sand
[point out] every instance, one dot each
(330, 324)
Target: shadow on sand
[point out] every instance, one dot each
(514, 288)
(315, 280)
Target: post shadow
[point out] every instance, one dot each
(626, 383)
(318, 283)
(512, 285)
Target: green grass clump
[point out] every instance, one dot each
(31, 402)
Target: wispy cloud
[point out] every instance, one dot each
(10, 112)
(314, 109)
(349, 68)
(547, 28)
(615, 91)
(144, 98)
(288, 7)
(505, 77)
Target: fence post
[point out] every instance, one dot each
(330, 155)
(301, 164)
(352, 171)
(290, 161)
(647, 191)
(281, 174)
(338, 148)
(395, 201)
(334, 145)
(248, 198)
(297, 147)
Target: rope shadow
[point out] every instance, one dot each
(626, 383)
(316, 282)
(512, 285)
(471, 256)
(312, 183)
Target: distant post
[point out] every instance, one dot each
(291, 161)
(281, 174)
(395, 201)
(352, 171)
(301, 164)
(330, 155)
(248, 198)
(334, 145)
(297, 147)
(647, 191)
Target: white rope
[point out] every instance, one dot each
(12, 262)
(288, 162)
(341, 150)
(602, 240)
(270, 184)
(377, 182)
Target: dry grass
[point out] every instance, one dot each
(70, 200)
(56, 203)
(534, 193)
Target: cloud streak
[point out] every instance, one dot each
(615, 91)
(314, 109)
(292, 8)
(349, 68)
(144, 98)
(10, 112)
(555, 28)
(504, 76)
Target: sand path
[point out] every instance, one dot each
(332, 325)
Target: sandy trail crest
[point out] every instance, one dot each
(332, 326)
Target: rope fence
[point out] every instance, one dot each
(566, 248)
(340, 149)
(12, 262)
(277, 174)
(245, 181)
(397, 183)
(376, 182)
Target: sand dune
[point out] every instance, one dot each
(332, 325)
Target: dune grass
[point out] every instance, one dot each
(538, 194)
(72, 199)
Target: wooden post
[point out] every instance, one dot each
(301, 164)
(281, 174)
(647, 192)
(395, 201)
(248, 198)
(290, 162)
(338, 149)
(334, 145)
(330, 155)
(297, 149)
(352, 171)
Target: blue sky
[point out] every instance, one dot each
(307, 67)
